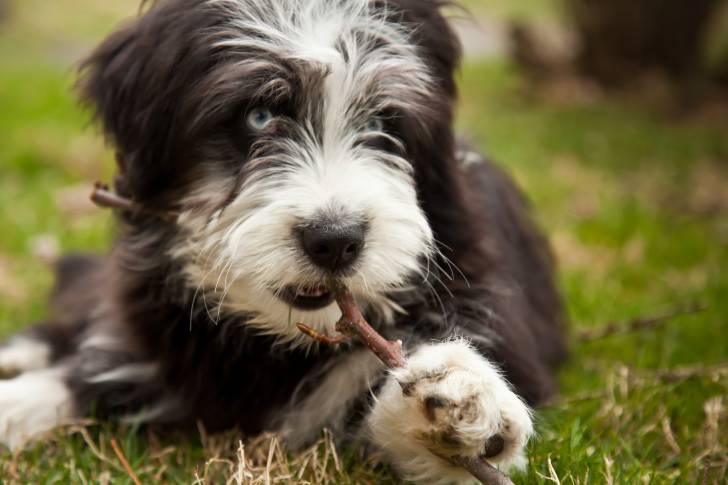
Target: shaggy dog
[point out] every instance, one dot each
(295, 141)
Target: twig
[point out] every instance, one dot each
(319, 337)
(482, 470)
(103, 197)
(637, 324)
(670, 436)
(81, 429)
(124, 462)
(641, 379)
(692, 371)
(353, 324)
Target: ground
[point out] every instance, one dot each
(636, 203)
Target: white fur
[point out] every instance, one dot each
(23, 354)
(240, 258)
(33, 404)
(126, 373)
(482, 406)
(468, 159)
(337, 386)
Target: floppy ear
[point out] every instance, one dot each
(443, 193)
(431, 31)
(117, 83)
(135, 83)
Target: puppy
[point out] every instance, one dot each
(274, 144)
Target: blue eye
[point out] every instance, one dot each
(258, 118)
(375, 125)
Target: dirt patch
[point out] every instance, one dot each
(587, 187)
(11, 288)
(703, 191)
(74, 200)
(572, 254)
(46, 248)
(482, 37)
(709, 188)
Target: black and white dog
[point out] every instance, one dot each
(297, 140)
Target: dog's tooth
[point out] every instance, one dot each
(312, 292)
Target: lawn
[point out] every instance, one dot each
(636, 204)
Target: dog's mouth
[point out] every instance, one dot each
(307, 297)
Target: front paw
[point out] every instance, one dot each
(449, 401)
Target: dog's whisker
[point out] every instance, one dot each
(451, 265)
(435, 294)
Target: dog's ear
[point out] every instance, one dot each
(442, 190)
(431, 31)
(118, 84)
(135, 82)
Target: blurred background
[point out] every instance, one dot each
(613, 116)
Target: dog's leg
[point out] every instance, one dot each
(448, 400)
(99, 374)
(24, 353)
(39, 347)
(334, 397)
(32, 404)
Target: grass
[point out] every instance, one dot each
(519, 9)
(635, 204)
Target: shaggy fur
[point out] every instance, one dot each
(260, 123)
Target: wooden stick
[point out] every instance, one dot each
(482, 470)
(103, 197)
(124, 462)
(354, 325)
(637, 324)
(319, 337)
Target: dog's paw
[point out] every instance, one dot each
(23, 354)
(449, 401)
(33, 404)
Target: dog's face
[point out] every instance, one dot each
(288, 138)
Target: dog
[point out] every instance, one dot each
(274, 145)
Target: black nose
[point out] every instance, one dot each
(333, 247)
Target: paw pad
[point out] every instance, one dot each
(494, 446)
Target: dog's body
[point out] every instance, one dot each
(295, 141)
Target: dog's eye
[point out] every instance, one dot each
(258, 118)
(374, 125)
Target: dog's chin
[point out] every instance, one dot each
(307, 298)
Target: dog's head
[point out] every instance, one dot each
(299, 140)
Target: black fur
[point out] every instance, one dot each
(145, 84)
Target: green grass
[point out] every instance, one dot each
(617, 189)
(519, 9)
(635, 203)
